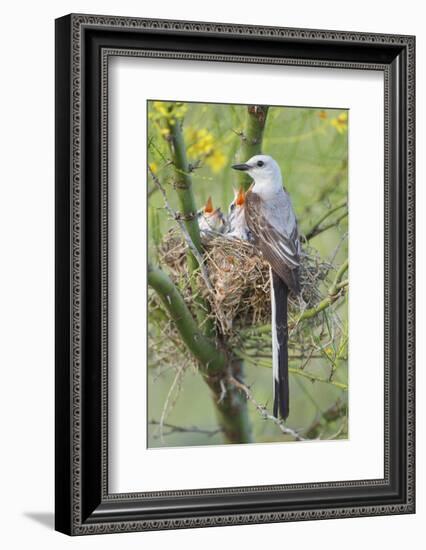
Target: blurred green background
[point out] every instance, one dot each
(311, 147)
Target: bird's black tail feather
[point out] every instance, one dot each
(279, 296)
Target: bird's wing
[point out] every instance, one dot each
(281, 251)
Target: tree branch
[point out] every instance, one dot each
(251, 138)
(201, 347)
(318, 228)
(172, 123)
(185, 232)
(258, 362)
(181, 429)
(263, 411)
(230, 406)
(337, 280)
(183, 183)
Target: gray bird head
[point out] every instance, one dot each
(263, 169)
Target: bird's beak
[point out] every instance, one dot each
(208, 207)
(240, 197)
(242, 167)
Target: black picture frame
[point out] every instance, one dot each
(83, 45)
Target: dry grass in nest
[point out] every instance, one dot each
(240, 278)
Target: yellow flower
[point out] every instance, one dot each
(180, 110)
(161, 107)
(340, 123)
(154, 167)
(201, 142)
(323, 115)
(216, 160)
(170, 110)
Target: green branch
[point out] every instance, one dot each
(188, 209)
(313, 378)
(251, 138)
(198, 344)
(217, 368)
(338, 279)
(198, 256)
(318, 228)
(182, 181)
(256, 362)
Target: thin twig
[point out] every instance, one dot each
(167, 400)
(222, 391)
(253, 360)
(338, 247)
(318, 226)
(332, 414)
(338, 432)
(334, 223)
(313, 378)
(263, 411)
(181, 429)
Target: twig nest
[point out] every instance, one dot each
(240, 279)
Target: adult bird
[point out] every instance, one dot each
(272, 223)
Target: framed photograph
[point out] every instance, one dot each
(234, 274)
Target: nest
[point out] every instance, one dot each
(240, 280)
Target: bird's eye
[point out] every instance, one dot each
(232, 207)
(260, 163)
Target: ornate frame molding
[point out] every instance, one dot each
(73, 47)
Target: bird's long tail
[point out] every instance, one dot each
(279, 295)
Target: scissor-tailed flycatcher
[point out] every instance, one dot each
(272, 223)
(210, 220)
(236, 217)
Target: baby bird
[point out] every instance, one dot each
(211, 221)
(236, 217)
